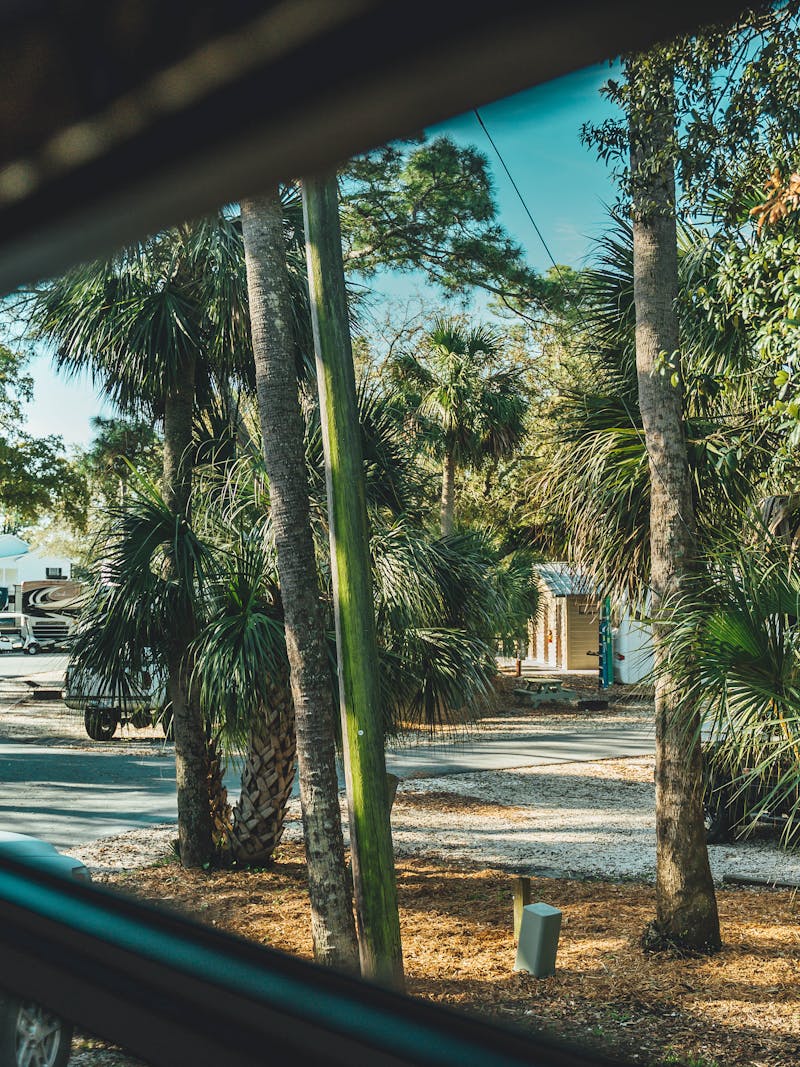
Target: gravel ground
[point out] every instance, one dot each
(582, 820)
(586, 820)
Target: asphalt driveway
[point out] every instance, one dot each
(58, 785)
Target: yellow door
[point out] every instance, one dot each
(583, 633)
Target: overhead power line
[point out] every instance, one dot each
(521, 198)
(639, 431)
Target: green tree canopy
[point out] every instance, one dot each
(757, 286)
(464, 397)
(594, 474)
(737, 97)
(119, 444)
(431, 207)
(36, 476)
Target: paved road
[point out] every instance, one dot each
(45, 667)
(528, 750)
(70, 796)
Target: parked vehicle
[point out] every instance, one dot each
(45, 616)
(21, 633)
(30, 1035)
(144, 704)
(733, 809)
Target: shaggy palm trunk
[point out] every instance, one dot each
(686, 906)
(359, 681)
(219, 807)
(191, 757)
(267, 778)
(448, 502)
(330, 890)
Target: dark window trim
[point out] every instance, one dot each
(162, 986)
(324, 89)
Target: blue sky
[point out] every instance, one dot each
(567, 191)
(565, 187)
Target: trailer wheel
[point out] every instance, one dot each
(101, 723)
(716, 821)
(32, 648)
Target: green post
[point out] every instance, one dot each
(371, 848)
(606, 645)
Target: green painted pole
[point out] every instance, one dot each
(371, 850)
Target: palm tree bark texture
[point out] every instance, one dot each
(191, 756)
(448, 502)
(267, 779)
(686, 909)
(333, 927)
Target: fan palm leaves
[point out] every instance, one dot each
(393, 481)
(735, 648)
(137, 320)
(150, 564)
(468, 404)
(440, 603)
(440, 606)
(241, 643)
(598, 481)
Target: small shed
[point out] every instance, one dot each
(566, 634)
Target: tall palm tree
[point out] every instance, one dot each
(153, 326)
(609, 484)
(283, 441)
(469, 403)
(686, 907)
(596, 480)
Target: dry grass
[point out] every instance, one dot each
(741, 1007)
(456, 804)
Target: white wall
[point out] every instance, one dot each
(634, 641)
(33, 568)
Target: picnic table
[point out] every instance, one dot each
(543, 690)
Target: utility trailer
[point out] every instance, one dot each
(144, 703)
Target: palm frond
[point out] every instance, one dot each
(734, 646)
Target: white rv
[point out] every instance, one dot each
(44, 616)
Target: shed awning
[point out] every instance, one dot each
(562, 579)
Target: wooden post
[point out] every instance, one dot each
(521, 888)
(371, 848)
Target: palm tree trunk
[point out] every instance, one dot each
(220, 809)
(191, 757)
(448, 503)
(359, 681)
(267, 779)
(686, 909)
(330, 890)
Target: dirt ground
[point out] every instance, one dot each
(740, 1008)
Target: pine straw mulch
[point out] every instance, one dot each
(740, 1007)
